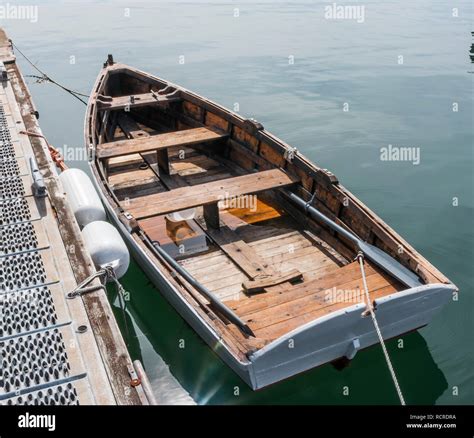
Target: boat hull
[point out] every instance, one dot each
(280, 352)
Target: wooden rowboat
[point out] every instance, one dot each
(253, 244)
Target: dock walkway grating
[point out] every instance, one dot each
(35, 367)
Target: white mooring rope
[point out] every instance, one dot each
(360, 257)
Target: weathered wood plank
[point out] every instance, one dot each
(313, 254)
(314, 301)
(167, 140)
(261, 274)
(135, 101)
(260, 302)
(189, 197)
(239, 252)
(276, 330)
(130, 127)
(259, 284)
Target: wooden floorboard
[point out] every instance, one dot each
(281, 310)
(251, 233)
(129, 181)
(312, 301)
(195, 166)
(296, 253)
(269, 299)
(279, 329)
(218, 261)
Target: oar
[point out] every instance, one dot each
(376, 255)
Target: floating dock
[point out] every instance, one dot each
(53, 350)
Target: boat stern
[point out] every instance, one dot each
(343, 333)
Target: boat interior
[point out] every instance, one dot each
(209, 188)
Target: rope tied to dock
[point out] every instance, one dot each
(111, 276)
(56, 156)
(45, 78)
(360, 259)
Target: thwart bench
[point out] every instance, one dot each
(208, 195)
(159, 143)
(136, 101)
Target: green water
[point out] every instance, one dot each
(245, 60)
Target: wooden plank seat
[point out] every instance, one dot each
(135, 101)
(159, 143)
(208, 194)
(183, 138)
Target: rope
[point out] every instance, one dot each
(360, 258)
(55, 154)
(308, 204)
(45, 78)
(110, 275)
